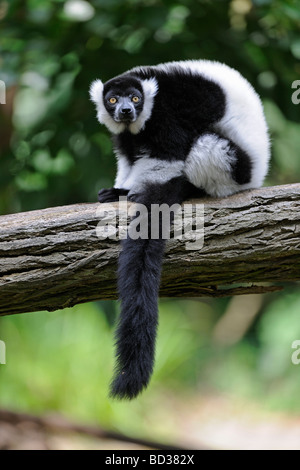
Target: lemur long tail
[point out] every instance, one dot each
(139, 273)
(139, 277)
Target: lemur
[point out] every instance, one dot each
(180, 130)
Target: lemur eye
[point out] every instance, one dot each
(112, 100)
(135, 99)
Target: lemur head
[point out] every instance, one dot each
(124, 103)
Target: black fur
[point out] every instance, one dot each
(186, 107)
(242, 167)
(139, 272)
(121, 83)
(111, 194)
(128, 86)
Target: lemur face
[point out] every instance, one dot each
(123, 101)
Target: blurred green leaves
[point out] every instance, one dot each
(64, 361)
(52, 50)
(285, 138)
(70, 361)
(53, 152)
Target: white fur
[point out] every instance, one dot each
(208, 163)
(150, 88)
(244, 121)
(208, 166)
(96, 91)
(123, 170)
(96, 95)
(151, 170)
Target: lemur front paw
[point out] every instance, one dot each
(133, 197)
(111, 194)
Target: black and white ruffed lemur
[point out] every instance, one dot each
(181, 129)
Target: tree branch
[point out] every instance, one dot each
(52, 258)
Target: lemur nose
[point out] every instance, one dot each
(126, 111)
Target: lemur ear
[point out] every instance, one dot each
(150, 87)
(96, 91)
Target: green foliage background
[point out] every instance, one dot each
(53, 152)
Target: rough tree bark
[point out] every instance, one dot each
(52, 258)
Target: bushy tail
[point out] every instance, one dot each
(138, 279)
(139, 273)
